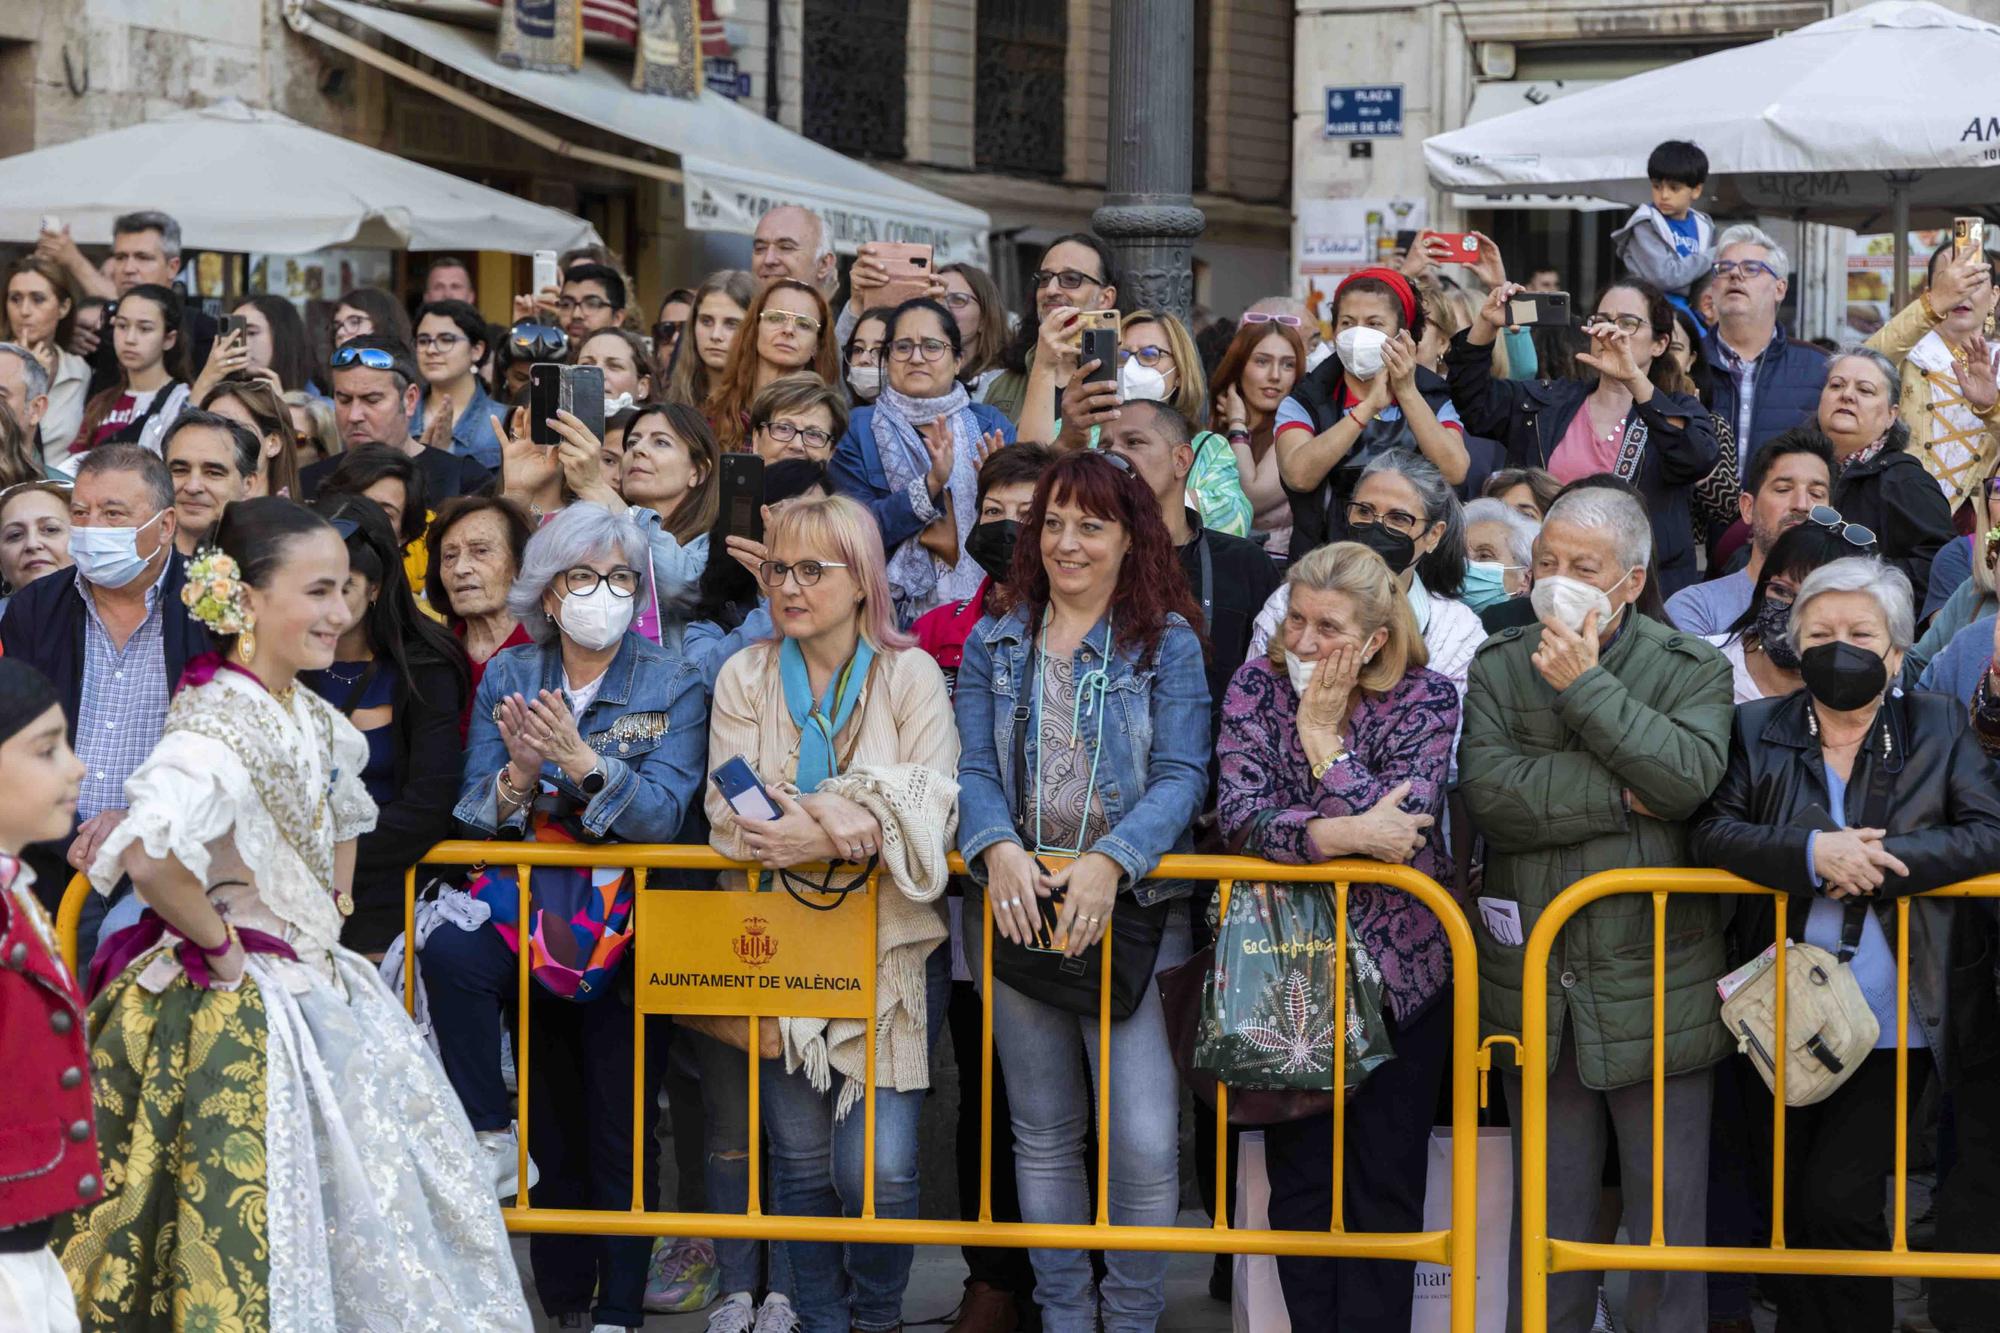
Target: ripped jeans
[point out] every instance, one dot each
(725, 1102)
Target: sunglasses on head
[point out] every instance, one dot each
(373, 358)
(1854, 534)
(1259, 317)
(537, 342)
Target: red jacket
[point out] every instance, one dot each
(942, 631)
(48, 1132)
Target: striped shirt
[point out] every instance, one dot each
(123, 704)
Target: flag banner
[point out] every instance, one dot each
(541, 34)
(666, 57)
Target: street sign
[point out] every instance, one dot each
(720, 74)
(1371, 112)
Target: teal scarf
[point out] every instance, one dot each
(819, 721)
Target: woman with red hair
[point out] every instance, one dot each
(787, 329)
(1083, 732)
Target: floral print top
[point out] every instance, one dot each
(1267, 796)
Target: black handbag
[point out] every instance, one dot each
(1071, 984)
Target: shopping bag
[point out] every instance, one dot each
(1257, 1301)
(1431, 1312)
(1269, 1005)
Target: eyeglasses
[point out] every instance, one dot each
(958, 300)
(1360, 515)
(784, 432)
(1259, 317)
(1119, 461)
(373, 358)
(668, 332)
(807, 572)
(1145, 356)
(438, 342)
(1625, 323)
(353, 324)
(865, 354)
(806, 323)
(583, 581)
(569, 305)
(537, 342)
(1749, 268)
(1068, 279)
(923, 349)
(1854, 534)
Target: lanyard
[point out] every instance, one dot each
(1097, 681)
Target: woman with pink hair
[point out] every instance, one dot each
(849, 730)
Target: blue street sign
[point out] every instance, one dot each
(1373, 112)
(721, 75)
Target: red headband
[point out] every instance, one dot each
(1396, 283)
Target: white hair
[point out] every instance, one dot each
(1744, 233)
(1521, 529)
(582, 532)
(1615, 512)
(822, 248)
(1889, 586)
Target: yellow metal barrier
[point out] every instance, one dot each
(1542, 1254)
(1455, 1247)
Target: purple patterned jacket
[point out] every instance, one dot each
(1267, 796)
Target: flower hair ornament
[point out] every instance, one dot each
(214, 596)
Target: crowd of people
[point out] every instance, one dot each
(1417, 584)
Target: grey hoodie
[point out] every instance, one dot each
(1646, 248)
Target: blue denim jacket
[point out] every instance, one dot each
(649, 722)
(1152, 772)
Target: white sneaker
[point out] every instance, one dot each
(776, 1315)
(735, 1315)
(503, 1153)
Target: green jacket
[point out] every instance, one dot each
(1544, 775)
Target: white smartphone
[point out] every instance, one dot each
(545, 270)
(51, 223)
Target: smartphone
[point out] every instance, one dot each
(1452, 247)
(741, 486)
(1098, 342)
(50, 222)
(1047, 939)
(553, 388)
(738, 784)
(545, 271)
(583, 397)
(1405, 239)
(544, 401)
(1968, 235)
(232, 324)
(909, 268)
(1531, 308)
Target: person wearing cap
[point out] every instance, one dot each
(50, 1161)
(376, 390)
(1368, 398)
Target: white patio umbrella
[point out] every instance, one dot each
(242, 179)
(1858, 120)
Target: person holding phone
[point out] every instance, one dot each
(1633, 414)
(847, 724)
(1083, 717)
(913, 456)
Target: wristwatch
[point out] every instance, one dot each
(593, 781)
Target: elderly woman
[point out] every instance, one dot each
(847, 724)
(913, 455)
(1845, 796)
(1499, 548)
(797, 416)
(1084, 721)
(590, 734)
(1877, 482)
(1338, 743)
(1761, 657)
(475, 546)
(1403, 510)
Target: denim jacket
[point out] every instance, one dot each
(1153, 769)
(649, 723)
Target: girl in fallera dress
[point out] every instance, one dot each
(281, 1151)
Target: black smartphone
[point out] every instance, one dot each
(741, 484)
(583, 397)
(1526, 309)
(544, 401)
(1101, 346)
(232, 324)
(1405, 239)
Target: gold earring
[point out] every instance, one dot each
(246, 644)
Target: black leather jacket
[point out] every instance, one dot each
(1941, 808)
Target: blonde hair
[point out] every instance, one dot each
(1452, 310)
(1191, 381)
(847, 531)
(1360, 575)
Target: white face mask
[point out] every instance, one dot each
(1318, 355)
(1568, 602)
(1137, 383)
(109, 557)
(1361, 351)
(866, 381)
(1301, 672)
(595, 619)
(613, 406)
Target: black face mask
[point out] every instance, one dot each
(1397, 551)
(991, 545)
(1772, 621)
(1842, 676)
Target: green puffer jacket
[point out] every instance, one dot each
(1544, 775)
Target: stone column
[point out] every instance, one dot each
(1148, 217)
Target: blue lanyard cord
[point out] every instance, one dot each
(1095, 682)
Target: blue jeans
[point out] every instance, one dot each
(725, 1104)
(816, 1172)
(1049, 1103)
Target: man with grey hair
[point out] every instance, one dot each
(1767, 383)
(24, 391)
(1589, 741)
(792, 241)
(145, 247)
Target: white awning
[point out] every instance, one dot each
(1490, 100)
(735, 163)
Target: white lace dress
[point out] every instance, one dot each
(318, 1170)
